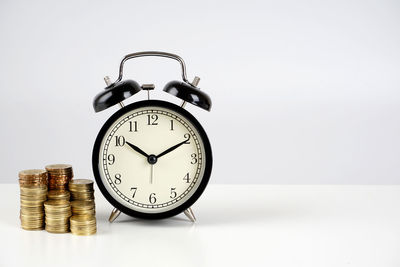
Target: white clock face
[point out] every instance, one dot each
(151, 159)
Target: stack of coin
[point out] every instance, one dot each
(83, 220)
(59, 176)
(61, 195)
(83, 225)
(81, 189)
(33, 186)
(58, 213)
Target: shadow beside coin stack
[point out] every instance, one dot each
(83, 220)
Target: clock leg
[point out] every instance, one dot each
(189, 213)
(114, 215)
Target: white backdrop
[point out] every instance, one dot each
(303, 91)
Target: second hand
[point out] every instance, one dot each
(152, 174)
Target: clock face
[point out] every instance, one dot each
(152, 159)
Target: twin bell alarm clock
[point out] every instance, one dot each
(152, 159)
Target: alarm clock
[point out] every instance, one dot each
(152, 159)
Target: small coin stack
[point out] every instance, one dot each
(59, 176)
(58, 213)
(83, 221)
(33, 186)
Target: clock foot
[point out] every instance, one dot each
(114, 215)
(189, 213)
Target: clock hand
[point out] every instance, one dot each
(173, 148)
(137, 149)
(152, 173)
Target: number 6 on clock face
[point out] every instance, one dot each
(152, 159)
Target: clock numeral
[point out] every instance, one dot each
(194, 158)
(134, 191)
(133, 126)
(187, 136)
(173, 193)
(186, 178)
(119, 140)
(111, 159)
(172, 125)
(152, 198)
(117, 179)
(152, 119)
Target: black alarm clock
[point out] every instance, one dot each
(152, 159)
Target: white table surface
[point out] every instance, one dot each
(238, 225)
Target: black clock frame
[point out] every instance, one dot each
(203, 181)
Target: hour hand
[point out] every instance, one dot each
(137, 149)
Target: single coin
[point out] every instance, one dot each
(81, 182)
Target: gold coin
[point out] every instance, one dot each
(62, 187)
(60, 177)
(83, 212)
(32, 228)
(56, 194)
(56, 230)
(33, 184)
(31, 213)
(82, 195)
(82, 204)
(56, 203)
(26, 203)
(74, 210)
(32, 208)
(58, 214)
(83, 229)
(83, 233)
(33, 198)
(34, 189)
(81, 185)
(81, 182)
(33, 179)
(32, 173)
(55, 208)
(83, 219)
(57, 167)
(56, 223)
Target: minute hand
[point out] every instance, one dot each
(173, 148)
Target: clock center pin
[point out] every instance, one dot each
(152, 159)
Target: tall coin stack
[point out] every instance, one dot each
(33, 186)
(83, 220)
(59, 176)
(58, 213)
